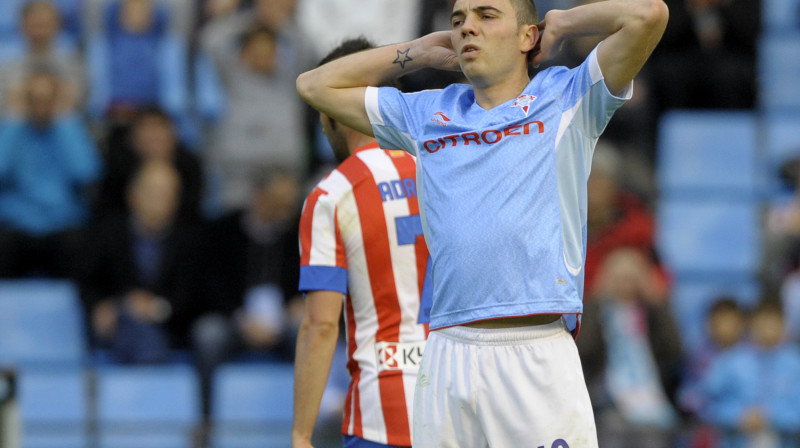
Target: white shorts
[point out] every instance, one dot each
(502, 388)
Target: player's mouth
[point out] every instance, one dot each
(470, 50)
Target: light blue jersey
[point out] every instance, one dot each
(503, 191)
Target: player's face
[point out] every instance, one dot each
(487, 39)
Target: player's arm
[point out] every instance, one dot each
(633, 27)
(337, 88)
(316, 343)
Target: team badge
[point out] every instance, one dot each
(524, 102)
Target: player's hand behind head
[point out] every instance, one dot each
(549, 43)
(438, 48)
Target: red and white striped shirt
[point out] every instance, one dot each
(361, 235)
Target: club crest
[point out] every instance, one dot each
(524, 102)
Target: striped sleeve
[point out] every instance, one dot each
(323, 265)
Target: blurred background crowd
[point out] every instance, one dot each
(154, 155)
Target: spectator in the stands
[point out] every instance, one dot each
(751, 392)
(47, 160)
(263, 124)
(41, 49)
(250, 286)
(248, 78)
(631, 353)
(618, 218)
(726, 323)
(136, 60)
(152, 137)
(142, 274)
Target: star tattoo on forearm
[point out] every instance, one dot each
(402, 58)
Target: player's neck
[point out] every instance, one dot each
(357, 140)
(490, 95)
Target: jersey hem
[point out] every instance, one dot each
(463, 317)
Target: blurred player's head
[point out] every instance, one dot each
(258, 50)
(154, 196)
(41, 21)
(492, 39)
(725, 322)
(153, 135)
(767, 325)
(336, 132)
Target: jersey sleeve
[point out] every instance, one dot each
(391, 114)
(587, 98)
(323, 265)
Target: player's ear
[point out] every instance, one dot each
(529, 36)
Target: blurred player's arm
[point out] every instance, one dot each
(633, 27)
(316, 342)
(337, 88)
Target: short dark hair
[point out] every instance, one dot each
(725, 304)
(526, 12)
(348, 46)
(769, 306)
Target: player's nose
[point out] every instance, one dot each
(470, 26)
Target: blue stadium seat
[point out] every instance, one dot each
(703, 152)
(252, 406)
(780, 16)
(692, 298)
(709, 237)
(54, 408)
(779, 72)
(41, 322)
(147, 406)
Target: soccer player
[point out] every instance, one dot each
(361, 239)
(502, 170)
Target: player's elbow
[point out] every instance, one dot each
(320, 327)
(652, 15)
(307, 86)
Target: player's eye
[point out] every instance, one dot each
(457, 22)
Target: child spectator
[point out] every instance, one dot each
(752, 390)
(725, 327)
